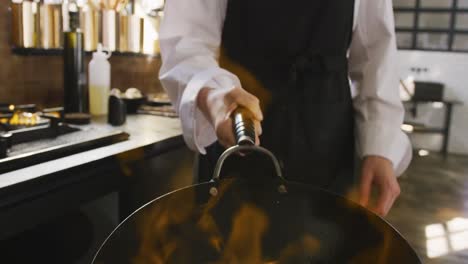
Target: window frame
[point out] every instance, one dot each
(415, 30)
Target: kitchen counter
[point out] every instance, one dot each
(56, 186)
(144, 131)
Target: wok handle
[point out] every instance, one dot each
(243, 149)
(244, 127)
(244, 131)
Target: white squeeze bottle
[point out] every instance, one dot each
(99, 72)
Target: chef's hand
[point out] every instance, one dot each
(378, 172)
(218, 104)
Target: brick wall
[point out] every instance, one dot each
(38, 79)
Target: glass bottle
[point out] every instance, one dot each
(74, 75)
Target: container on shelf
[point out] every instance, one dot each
(38, 26)
(135, 29)
(131, 33)
(50, 26)
(90, 24)
(151, 35)
(25, 24)
(16, 24)
(110, 30)
(123, 32)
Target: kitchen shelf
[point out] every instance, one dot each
(444, 131)
(418, 128)
(429, 130)
(58, 52)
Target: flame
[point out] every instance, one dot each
(249, 82)
(160, 245)
(194, 223)
(126, 160)
(308, 245)
(207, 222)
(380, 252)
(157, 245)
(244, 244)
(169, 231)
(24, 119)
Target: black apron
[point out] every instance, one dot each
(293, 56)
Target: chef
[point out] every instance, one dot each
(319, 77)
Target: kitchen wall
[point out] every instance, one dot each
(38, 79)
(452, 70)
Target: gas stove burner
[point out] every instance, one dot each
(23, 123)
(51, 129)
(29, 136)
(14, 117)
(11, 108)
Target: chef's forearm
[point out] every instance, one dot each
(190, 36)
(373, 68)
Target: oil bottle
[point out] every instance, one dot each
(74, 75)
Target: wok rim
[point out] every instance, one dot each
(358, 206)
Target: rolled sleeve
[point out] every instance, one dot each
(379, 111)
(190, 37)
(198, 131)
(381, 139)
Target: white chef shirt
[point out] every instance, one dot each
(190, 37)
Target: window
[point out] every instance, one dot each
(445, 238)
(432, 24)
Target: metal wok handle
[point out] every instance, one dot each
(244, 131)
(244, 127)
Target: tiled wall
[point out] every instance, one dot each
(38, 79)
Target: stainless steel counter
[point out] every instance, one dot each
(144, 130)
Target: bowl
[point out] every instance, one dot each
(158, 99)
(133, 104)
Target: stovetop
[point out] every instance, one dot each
(28, 143)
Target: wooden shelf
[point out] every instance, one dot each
(445, 130)
(428, 130)
(445, 102)
(420, 128)
(58, 52)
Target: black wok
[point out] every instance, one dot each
(242, 221)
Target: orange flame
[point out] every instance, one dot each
(249, 82)
(157, 245)
(244, 244)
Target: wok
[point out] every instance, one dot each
(237, 220)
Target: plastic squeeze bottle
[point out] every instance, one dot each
(99, 72)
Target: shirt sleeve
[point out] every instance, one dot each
(373, 70)
(190, 36)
